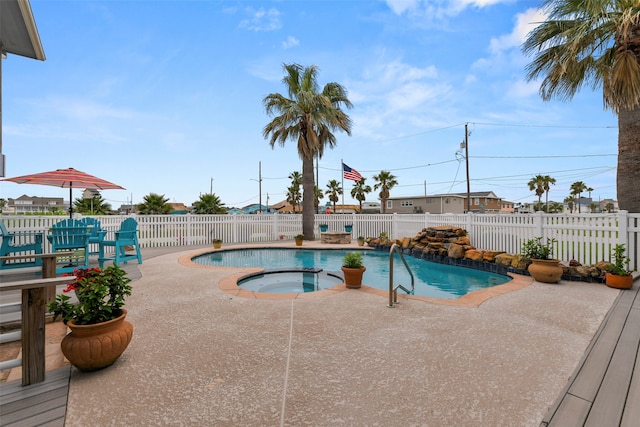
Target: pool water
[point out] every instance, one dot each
(283, 282)
(431, 279)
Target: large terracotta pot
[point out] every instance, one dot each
(545, 270)
(353, 277)
(93, 347)
(618, 282)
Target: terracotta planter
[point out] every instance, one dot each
(618, 282)
(217, 245)
(93, 347)
(360, 242)
(545, 270)
(353, 277)
(298, 242)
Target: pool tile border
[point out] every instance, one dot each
(228, 284)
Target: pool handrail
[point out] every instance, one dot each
(393, 291)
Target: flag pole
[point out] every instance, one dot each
(342, 173)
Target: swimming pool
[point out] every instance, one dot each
(431, 279)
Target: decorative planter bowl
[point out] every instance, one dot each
(93, 347)
(545, 270)
(618, 282)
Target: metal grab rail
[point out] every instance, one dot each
(393, 291)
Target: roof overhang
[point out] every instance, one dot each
(18, 31)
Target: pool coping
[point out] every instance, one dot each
(228, 283)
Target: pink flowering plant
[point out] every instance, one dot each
(100, 294)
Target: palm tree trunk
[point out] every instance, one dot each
(307, 198)
(628, 159)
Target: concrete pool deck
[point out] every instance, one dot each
(203, 356)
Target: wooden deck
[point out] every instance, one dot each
(41, 404)
(604, 390)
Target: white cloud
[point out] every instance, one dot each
(525, 23)
(432, 8)
(262, 20)
(290, 42)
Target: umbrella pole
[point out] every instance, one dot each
(71, 200)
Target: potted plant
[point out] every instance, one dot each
(299, 238)
(384, 238)
(617, 276)
(217, 243)
(543, 267)
(353, 269)
(323, 227)
(99, 332)
(361, 240)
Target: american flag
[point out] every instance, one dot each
(351, 174)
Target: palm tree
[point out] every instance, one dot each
(547, 182)
(609, 206)
(595, 43)
(556, 207)
(317, 196)
(333, 191)
(293, 192)
(293, 197)
(209, 204)
(537, 183)
(385, 181)
(154, 204)
(576, 190)
(360, 191)
(92, 206)
(308, 117)
(570, 201)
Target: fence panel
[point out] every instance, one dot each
(587, 238)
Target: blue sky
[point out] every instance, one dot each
(166, 97)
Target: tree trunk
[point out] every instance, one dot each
(308, 196)
(628, 160)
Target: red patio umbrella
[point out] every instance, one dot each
(66, 178)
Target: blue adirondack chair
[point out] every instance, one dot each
(15, 243)
(70, 235)
(96, 233)
(126, 236)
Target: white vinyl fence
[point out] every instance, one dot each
(587, 238)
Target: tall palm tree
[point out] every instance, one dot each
(385, 181)
(537, 184)
(360, 191)
(317, 196)
(576, 190)
(209, 204)
(333, 191)
(308, 117)
(547, 182)
(595, 43)
(154, 204)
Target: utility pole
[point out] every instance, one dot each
(466, 157)
(211, 188)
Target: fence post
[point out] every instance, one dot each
(274, 228)
(537, 224)
(394, 226)
(623, 231)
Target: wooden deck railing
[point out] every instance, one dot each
(35, 295)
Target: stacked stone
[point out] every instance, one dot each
(454, 242)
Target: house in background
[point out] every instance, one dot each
(33, 204)
(481, 202)
(436, 204)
